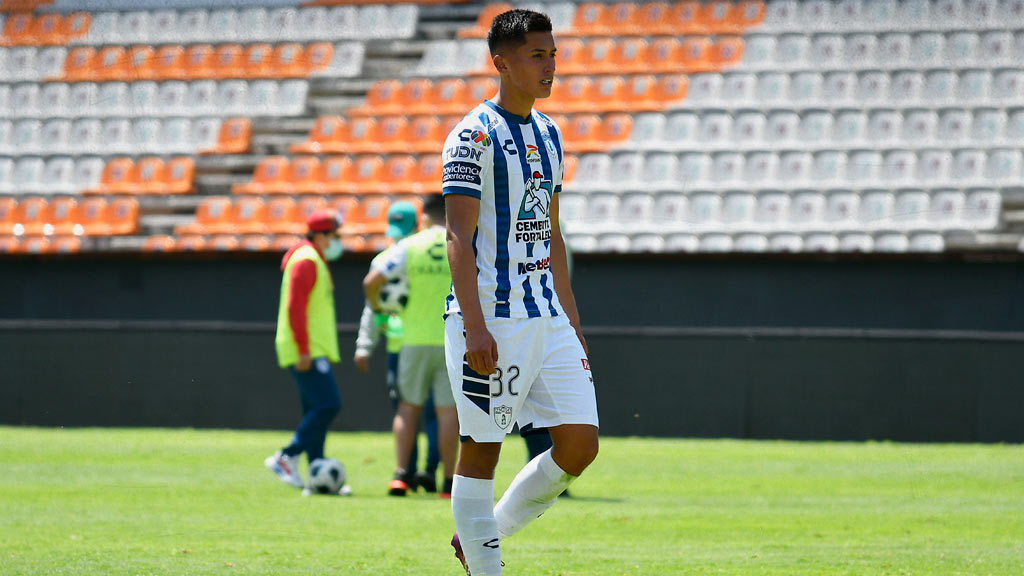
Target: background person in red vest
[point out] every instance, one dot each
(307, 341)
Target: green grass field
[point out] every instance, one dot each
(160, 502)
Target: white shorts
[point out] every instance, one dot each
(542, 380)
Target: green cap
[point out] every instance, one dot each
(401, 220)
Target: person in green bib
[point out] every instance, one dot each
(403, 220)
(307, 341)
(422, 261)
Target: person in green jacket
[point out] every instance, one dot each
(422, 261)
(307, 341)
(402, 222)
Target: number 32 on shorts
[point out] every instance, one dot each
(504, 378)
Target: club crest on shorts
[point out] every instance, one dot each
(503, 416)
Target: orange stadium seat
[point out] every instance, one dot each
(665, 55)
(307, 205)
(748, 13)
(383, 95)
(342, 205)
(695, 54)
(92, 214)
(425, 135)
(630, 55)
(8, 211)
(228, 61)
(318, 56)
(616, 129)
(355, 243)
(31, 214)
(642, 94)
(158, 243)
(10, 245)
(581, 134)
(233, 137)
(199, 62)
(191, 243)
(671, 88)
(269, 173)
(590, 19)
(336, 175)
(412, 98)
(447, 96)
(281, 216)
(726, 51)
(61, 214)
(147, 176)
(122, 216)
(212, 215)
(254, 243)
(36, 245)
(685, 18)
(717, 16)
(426, 177)
(370, 216)
(596, 56)
(247, 215)
(483, 20)
(79, 64)
(18, 30)
(140, 62)
(568, 168)
(283, 243)
(356, 133)
(179, 175)
(258, 61)
(224, 243)
(111, 64)
(621, 18)
(570, 55)
(116, 177)
(289, 61)
(397, 174)
(49, 30)
(480, 89)
(366, 174)
(66, 245)
(169, 63)
(325, 129)
(302, 176)
(653, 18)
(76, 26)
(390, 135)
(569, 94)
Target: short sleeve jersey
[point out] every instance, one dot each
(514, 166)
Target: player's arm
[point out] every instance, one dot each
(560, 273)
(366, 338)
(462, 212)
(372, 283)
(303, 276)
(393, 267)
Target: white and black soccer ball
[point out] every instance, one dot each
(326, 476)
(393, 296)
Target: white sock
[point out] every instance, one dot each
(533, 491)
(473, 510)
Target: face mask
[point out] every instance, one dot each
(334, 250)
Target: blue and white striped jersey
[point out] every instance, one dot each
(514, 166)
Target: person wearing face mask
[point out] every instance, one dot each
(307, 341)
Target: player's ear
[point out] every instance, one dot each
(500, 64)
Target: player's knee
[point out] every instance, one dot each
(574, 457)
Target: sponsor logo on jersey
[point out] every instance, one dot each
(533, 224)
(586, 363)
(475, 137)
(528, 267)
(503, 416)
(461, 172)
(532, 153)
(456, 152)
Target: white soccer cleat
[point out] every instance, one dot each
(286, 468)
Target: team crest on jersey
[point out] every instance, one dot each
(503, 416)
(537, 199)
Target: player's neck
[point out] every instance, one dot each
(514, 101)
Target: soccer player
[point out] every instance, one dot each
(402, 221)
(514, 348)
(421, 260)
(307, 341)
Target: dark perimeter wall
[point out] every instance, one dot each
(799, 348)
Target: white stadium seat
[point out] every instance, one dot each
(748, 127)
(55, 136)
(785, 243)
(291, 97)
(1003, 165)
(981, 209)
(705, 89)
(115, 135)
(738, 210)
(933, 166)
(946, 208)
(87, 172)
(898, 167)
(703, 211)
(670, 210)
(592, 172)
(841, 209)
(681, 129)
(919, 126)
(805, 88)
(829, 167)
(820, 242)
(571, 208)
(750, 242)
(654, 243)
(715, 242)
(85, 136)
(807, 210)
(626, 171)
(659, 172)
(926, 242)
(864, 167)
(761, 168)
(911, 210)
(682, 243)
(613, 242)
(252, 24)
(738, 88)
(164, 29)
(727, 168)
(890, 242)
(839, 87)
(855, 242)
(876, 209)
(872, 87)
(601, 211)
(6, 175)
(57, 175)
(694, 170)
(6, 137)
(636, 211)
(772, 88)
(27, 177)
(771, 211)
(968, 165)
(282, 21)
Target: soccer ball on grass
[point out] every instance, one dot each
(326, 476)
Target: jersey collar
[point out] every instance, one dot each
(508, 116)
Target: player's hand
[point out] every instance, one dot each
(481, 351)
(362, 362)
(304, 363)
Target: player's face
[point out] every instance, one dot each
(531, 68)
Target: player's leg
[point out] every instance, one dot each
(428, 476)
(473, 507)
(446, 421)
(324, 401)
(392, 387)
(404, 427)
(285, 462)
(562, 399)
